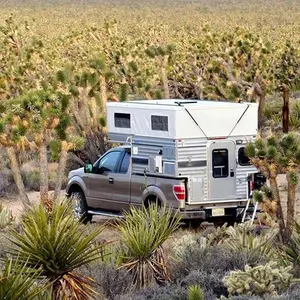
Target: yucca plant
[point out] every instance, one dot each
(195, 293)
(18, 282)
(6, 217)
(143, 232)
(242, 238)
(58, 244)
(291, 252)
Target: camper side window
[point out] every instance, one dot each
(243, 158)
(159, 123)
(220, 163)
(122, 120)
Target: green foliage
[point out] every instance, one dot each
(124, 92)
(19, 282)
(195, 293)
(55, 148)
(291, 252)
(143, 231)
(57, 244)
(260, 280)
(6, 217)
(280, 151)
(241, 237)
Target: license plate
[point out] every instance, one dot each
(216, 212)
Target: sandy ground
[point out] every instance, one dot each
(14, 203)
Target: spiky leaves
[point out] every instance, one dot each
(274, 156)
(143, 232)
(6, 217)
(58, 244)
(195, 293)
(19, 282)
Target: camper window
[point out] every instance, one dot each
(243, 158)
(122, 120)
(159, 123)
(220, 163)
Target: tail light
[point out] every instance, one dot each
(179, 192)
(251, 185)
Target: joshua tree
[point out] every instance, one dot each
(34, 120)
(287, 77)
(274, 156)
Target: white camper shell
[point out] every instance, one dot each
(202, 141)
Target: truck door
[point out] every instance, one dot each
(221, 170)
(101, 182)
(121, 183)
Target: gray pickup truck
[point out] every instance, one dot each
(108, 187)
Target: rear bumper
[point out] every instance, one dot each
(232, 209)
(193, 214)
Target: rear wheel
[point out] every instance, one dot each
(80, 207)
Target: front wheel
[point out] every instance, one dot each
(80, 207)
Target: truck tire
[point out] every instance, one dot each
(152, 199)
(80, 207)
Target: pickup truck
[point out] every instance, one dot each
(108, 187)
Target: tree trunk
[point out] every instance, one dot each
(61, 169)
(44, 185)
(261, 107)
(285, 110)
(103, 94)
(164, 76)
(94, 146)
(279, 212)
(290, 208)
(14, 165)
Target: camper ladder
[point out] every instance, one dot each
(255, 207)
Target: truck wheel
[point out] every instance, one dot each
(80, 207)
(152, 200)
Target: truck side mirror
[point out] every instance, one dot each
(88, 168)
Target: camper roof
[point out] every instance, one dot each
(177, 118)
(171, 104)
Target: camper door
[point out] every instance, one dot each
(221, 170)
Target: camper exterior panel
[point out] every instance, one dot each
(248, 123)
(192, 163)
(146, 149)
(213, 122)
(186, 128)
(196, 120)
(141, 121)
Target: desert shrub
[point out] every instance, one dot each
(251, 238)
(244, 297)
(211, 282)
(142, 233)
(18, 282)
(7, 183)
(56, 243)
(168, 292)
(6, 217)
(291, 252)
(4, 244)
(31, 177)
(292, 293)
(217, 258)
(195, 293)
(260, 280)
(111, 281)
